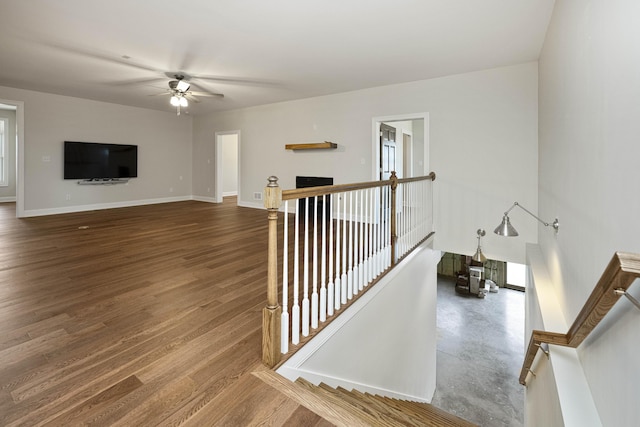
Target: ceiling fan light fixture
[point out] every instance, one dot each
(183, 86)
(175, 101)
(184, 102)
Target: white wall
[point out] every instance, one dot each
(418, 141)
(164, 151)
(9, 192)
(482, 136)
(589, 177)
(399, 360)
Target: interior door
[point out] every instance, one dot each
(387, 151)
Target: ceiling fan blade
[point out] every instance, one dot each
(160, 94)
(192, 97)
(233, 80)
(204, 91)
(197, 93)
(124, 60)
(136, 82)
(187, 60)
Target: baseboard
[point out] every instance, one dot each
(101, 206)
(205, 199)
(229, 193)
(258, 205)
(7, 199)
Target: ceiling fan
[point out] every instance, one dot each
(181, 92)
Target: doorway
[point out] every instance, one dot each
(411, 153)
(387, 151)
(14, 110)
(227, 173)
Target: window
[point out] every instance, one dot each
(4, 152)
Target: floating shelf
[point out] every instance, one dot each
(311, 146)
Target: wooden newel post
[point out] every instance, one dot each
(272, 313)
(394, 232)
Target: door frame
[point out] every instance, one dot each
(218, 171)
(19, 154)
(375, 141)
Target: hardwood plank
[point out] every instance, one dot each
(94, 404)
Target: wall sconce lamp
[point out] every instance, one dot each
(479, 256)
(506, 229)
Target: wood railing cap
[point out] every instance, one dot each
(629, 262)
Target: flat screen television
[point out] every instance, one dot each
(91, 160)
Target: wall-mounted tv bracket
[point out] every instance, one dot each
(103, 181)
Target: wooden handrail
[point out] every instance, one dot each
(621, 272)
(299, 193)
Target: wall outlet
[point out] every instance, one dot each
(170, 189)
(257, 196)
(68, 197)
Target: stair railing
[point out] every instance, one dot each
(621, 272)
(340, 240)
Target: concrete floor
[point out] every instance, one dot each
(480, 352)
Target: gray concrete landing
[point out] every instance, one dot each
(480, 353)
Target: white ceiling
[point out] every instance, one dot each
(262, 51)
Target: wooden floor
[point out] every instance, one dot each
(140, 316)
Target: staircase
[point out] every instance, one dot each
(374, 410)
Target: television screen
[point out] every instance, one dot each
(90, 160)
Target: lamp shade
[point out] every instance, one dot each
(479, 256)
(505, 228)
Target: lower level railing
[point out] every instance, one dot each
(336, 241)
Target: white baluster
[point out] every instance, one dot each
(374, 253)
(350, 260)
(343, 289)
(379, 232)
(361, 244)
(338, 290)
(305, 279)
(295, 310)
(366, 219)
(330, 286)
(388, 231)
(323, 266)
(284, 323)
(356, 245)
(371, 246)
(314, 294)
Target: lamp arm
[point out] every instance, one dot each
(546, 224)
